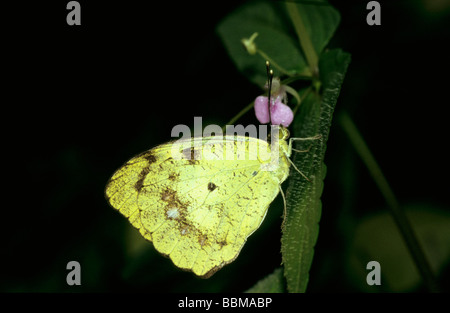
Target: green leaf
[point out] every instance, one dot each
(265, 18)
(315, 22)
(303, 197)
(321, 21)
(276, 38)
(272, 283)
(399, 273)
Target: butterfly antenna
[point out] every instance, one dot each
(269, 82)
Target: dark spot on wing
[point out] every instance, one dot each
(191, 155)
(222, 243)
(168, 195)
(202, 239)
(211, 186)
(173, 176)
(149, 156)
(140, 182)
(182, 222)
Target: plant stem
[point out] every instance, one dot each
(397, 212)
(305, 40)
(238, 116)
(274, 64)
(302, 98)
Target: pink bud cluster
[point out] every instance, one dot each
(280, 113)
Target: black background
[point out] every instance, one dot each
(78, 101)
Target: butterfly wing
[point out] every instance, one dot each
(199, 201)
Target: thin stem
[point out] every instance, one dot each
(238, 116)
(305, 40)
(292, 79)
(305, 94)
(397, 212)
(272, 62)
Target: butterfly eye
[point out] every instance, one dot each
(284, 133)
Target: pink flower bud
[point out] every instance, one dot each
(281, 114)
(262, 109)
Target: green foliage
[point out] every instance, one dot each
(314, 24)
(431, 225)
(303, 197)
(272, 283)
(276, 36)
(396, 105)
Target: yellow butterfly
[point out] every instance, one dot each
(197, 204)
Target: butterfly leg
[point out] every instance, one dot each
(301, 139)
